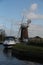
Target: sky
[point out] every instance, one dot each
(12, 12)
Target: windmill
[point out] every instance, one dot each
(23, 30)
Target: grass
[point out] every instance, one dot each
(28, 52)
(31, 48)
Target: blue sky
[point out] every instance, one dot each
(13, 9)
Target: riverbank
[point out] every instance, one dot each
(28, 52)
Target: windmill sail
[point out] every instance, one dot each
(24, 31)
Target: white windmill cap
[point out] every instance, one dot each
(28, 21)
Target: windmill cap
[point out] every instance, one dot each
(28, 21)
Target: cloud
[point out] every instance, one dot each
(35, 30)
(11, 33)
(1, 26)
(31, 13)
(33, 7)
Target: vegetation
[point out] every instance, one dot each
(2, 35)
(37, 41)
(28, 52)
(27, 48)
(2, 38)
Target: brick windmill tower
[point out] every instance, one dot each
(24, 31)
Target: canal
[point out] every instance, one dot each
(6, 58)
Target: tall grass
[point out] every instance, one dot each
(27, 48)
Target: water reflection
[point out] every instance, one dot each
(7, 52)
(9, 60)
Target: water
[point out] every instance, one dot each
(7, 59)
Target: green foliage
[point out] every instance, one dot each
(36, 41)
(27, 48)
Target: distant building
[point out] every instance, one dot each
(2, 32)
(2, 35)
